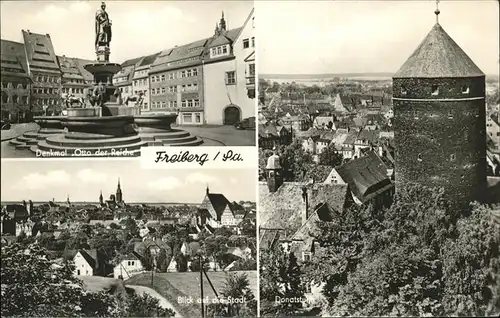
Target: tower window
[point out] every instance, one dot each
(465, 89)
(450, 114)
(434, 90)
(419, 157)
(452, 157)
(404, 91)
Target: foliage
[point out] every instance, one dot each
(34, 286)
(181, 263)
(237, 299)
(419, 257)
(280, 278)
(145, 306)
(294, 159)
(161, 260)
(330, 157)
(248, 228)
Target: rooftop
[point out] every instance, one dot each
(438, 56)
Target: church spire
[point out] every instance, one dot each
(437, 12)
(222, 23)
(208, 190)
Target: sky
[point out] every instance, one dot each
(311, 37)
(139, 27)
(82, 180)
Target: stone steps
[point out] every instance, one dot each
(194, 142)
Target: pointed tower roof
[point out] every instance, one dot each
(438, 56)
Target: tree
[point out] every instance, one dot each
(294, 159)
(280, 279)
(248, 228)
(145, 306)
(330, 156)
(34, 286)
(237, 298)
(181, 263)
(131, 228)
(161, 260)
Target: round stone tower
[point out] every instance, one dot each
(439, 120)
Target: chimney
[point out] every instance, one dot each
(305, 215)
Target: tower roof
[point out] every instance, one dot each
(438, 56)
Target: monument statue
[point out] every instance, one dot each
(102, 27)
(70, 100)
(138, 99)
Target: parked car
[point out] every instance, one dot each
(247, 123)
(5, 125)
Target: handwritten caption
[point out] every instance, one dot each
(196, 157)
(120, 152)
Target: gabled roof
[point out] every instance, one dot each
(220, 40)
(438, 56)
(13, 58)
(148, 60)
(86, 74)
(364, 175)
(219, 202)
(40, 52)
(283, 209)
(131, 62)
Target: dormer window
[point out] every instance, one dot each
(419, 157)
(434, 90)
(465, 89)
(222, 50)
(246, 43)
(450, 114)
(452, 157)
(404, 91)
(306, 256)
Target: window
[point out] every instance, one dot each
(452, 157)
(163, 90)
(251, 69)
(434, 90)
(196, 103)
(195, 72)
(246, 43)
(184, 103)
(253, 41)
(183, 74)
(465, 89)
(188, 73)
(419, 157)
(133, 263)
(172, 89)
(450, 114)
(224, 49)
(128, 263)
(163, 78)
(163, 104)
(219, 50)
(230, 78)
(197, 117)
(190, 103)
(171, 75)
(306, 256)
(187, 118)
(404, 91)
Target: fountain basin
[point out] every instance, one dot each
(84, 112)
(109, 125)
(107, 68)
(49, 122)
(153, 123)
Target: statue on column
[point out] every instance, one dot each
(102, 27)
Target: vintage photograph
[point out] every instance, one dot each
(114, 240)
(96, 79)
(379, 158)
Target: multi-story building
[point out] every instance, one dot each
(123, 79)
(140, 79)
(229, 74)
(73, 81)
(176, 81)
(15, 82)
(44, 70)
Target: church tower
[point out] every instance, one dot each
(101, 199)
(439, 119)
(119, 195)
(222, 24)
(274, 173)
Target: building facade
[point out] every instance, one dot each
(73, 81)
(176, 80)
(140, 80)
(229, 74)
(123, 79)
(15, 82)
(439, 120)
(44, 70)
